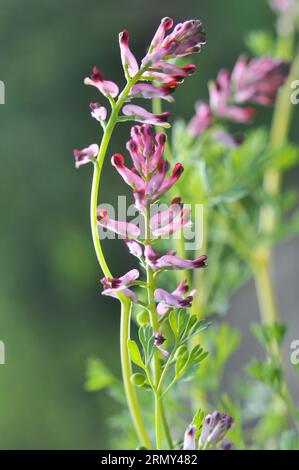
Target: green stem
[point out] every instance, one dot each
(155, 326)
(199, 274)
(127, 372)
(263, 254)
(125, 302)
(158, 413)
(272, 182)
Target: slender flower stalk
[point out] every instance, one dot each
(186, 38)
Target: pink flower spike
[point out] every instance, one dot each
(112, 286)
(106, 87)
(85, 155)
(98, 112)
(124, 229)
(148, 91)
(175, 299)
(202, 120)
(129, 62)
(142, 115)
(129, 176)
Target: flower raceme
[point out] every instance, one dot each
(148, 178)
(251, 81)
(185, 39)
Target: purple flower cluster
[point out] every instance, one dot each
(214, 429)
(149, 180)
(154, 77)
(251, 81)
(185, 39)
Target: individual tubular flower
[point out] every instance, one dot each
(85, 155)
(175, 299)
(158, 341)
(98, 112)
(113, 286)
(215, 427)
(128, 59)
(130, 177)
(148, 91)
(202, 120)
(106, 87)
(140, 114)
(165, 223)
(159, 184)
(189, 438)
(134, 248)
(170, 261)
(220, 96)
(124, 229)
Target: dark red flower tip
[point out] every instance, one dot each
(102, 214)
(133, 169)
(163, 117)
(97, 74)
(163, 166)
(168, 88)
(124, 36)
(200, 262)
(132, 145)
(178, 170)
(76, 153)
(118, 160)
(161, 138)
(159, 339)
(177, 200)
(189, 69)
(167, 23)
(251, 112)
(173, 84)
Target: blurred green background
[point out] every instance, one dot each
(52, 316)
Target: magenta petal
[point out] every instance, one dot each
(85, 155)
(131, 178)
(148, 91)
(127, 57)
(142, 115)
(124, 229)
(106, 87)
(98, 112)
